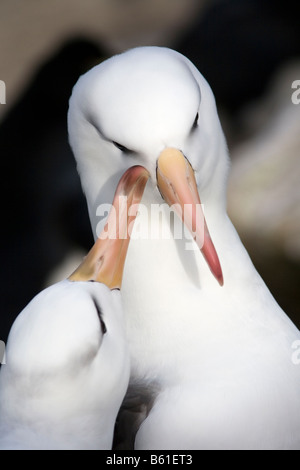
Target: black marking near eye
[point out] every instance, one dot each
(121, 147)
(195, 123)
(100, 315)
(102, 135)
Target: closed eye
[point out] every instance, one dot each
(195, 123)
(122, 147)
(100, 315)
(116, 144)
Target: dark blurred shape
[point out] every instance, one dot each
(43, 214)
(239, 44)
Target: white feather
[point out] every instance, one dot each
(220, 357)
(64, 378)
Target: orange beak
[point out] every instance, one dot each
(105, 261)
(177, 185)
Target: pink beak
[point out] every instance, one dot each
(177, 185)
(105, 261)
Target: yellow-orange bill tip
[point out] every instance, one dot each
(105, 261)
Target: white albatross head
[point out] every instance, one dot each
(150, 106)
(67, 361)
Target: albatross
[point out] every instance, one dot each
(210, 349)
(67, 361)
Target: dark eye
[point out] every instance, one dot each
(121, 147)
(195, 123)
(100, 315)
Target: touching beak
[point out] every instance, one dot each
(105, 261)
(177, 185)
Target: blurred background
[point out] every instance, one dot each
(249, 51)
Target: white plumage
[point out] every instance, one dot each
(65, 378)
(215, 361)
(67, 359)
